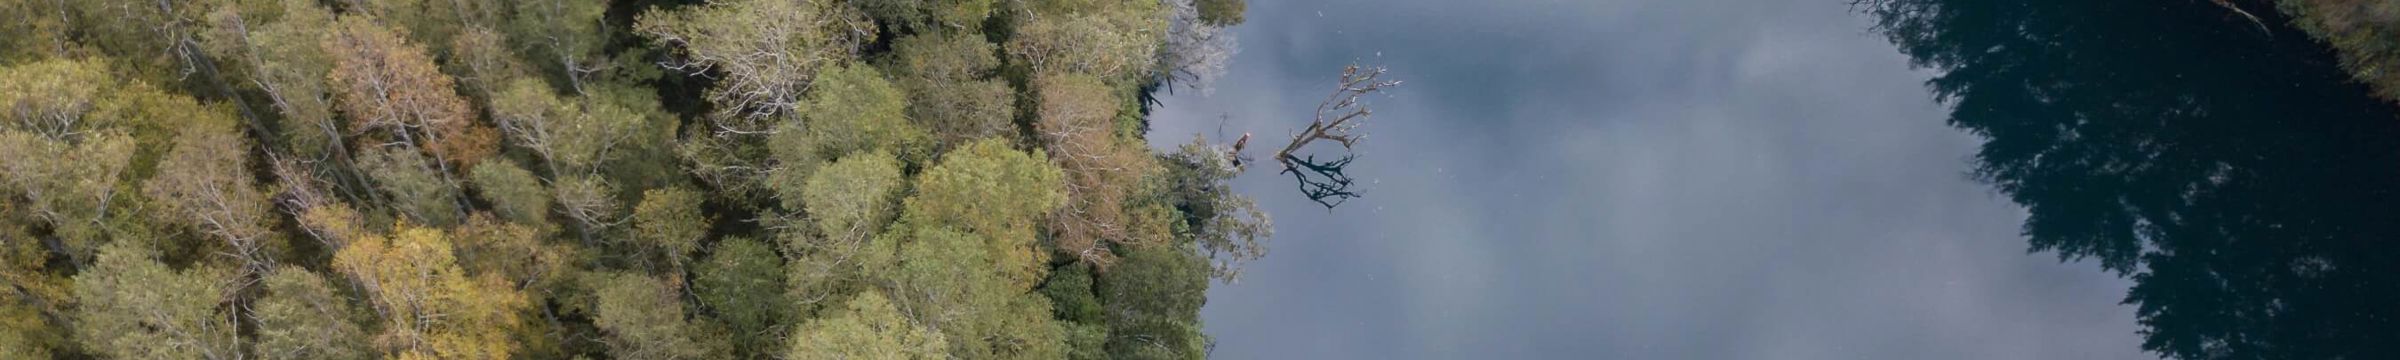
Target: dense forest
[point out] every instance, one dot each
(627, 179)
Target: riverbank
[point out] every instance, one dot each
(2365, 32)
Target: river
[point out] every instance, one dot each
(1806, 179)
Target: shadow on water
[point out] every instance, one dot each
(2249, 189)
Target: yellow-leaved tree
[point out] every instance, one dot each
(431, 309)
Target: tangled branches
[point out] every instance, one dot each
(1337, 119)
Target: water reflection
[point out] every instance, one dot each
(2233, 173)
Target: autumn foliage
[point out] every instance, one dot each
(557, 179)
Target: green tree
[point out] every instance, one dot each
(1116, 41)
(72, 135)
(417, 190)
(668, 222)
(589, 200)
(949, 91)
(1072, 296)
(644, 320)
(25, 335)
(34, 37)
(1221, 12)
(435, 22)
(928, 16)
(852, 199)
(741, 283)
(869, 328)
(1153, 300)
(1080, 315)
(517, 253)
(301, 317)
(853, 108)
(275, 44)
(733, 39)
(154, 42)
(996, 193)
(564, 36)
(946, 280)
(485, 63)
(848, 204)
(1228, 227)
(515, 194)
(134, 307)
(203, 183)
(572, 136)
(1025, 329)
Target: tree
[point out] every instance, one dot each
(823, 275)
(869, 328)
(853, 109)
(72, 135)
(1337, 119)
(848, 203)
(949, 92)
(433, 22)
(1026, 330)
(384, 83)
(1221, 12)
(995, 193)
(156, 42)
(668, 222)
(300, 317)
(929, 16)
(1116, 41)
(430, 307)
(417, 190)
(203, 183)
(644, 320)
(484, 63)
(766, 52)
(134, 307)
(1078, 309)
(31, 297)
(742, 285)
(945, 280)
(514, 252)
(485, 179)
(1228, 227)
(70, 187)
(276, 45)
(34, 37)
(1078, 123)
(572, 136)
(564, 36)
(25, 335)
(1199, 47)
(589, 200)
(1153, 303)
(853, 198)
(515, 194)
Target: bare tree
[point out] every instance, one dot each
(1197, 50)
(1337, 119)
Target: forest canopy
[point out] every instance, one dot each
(626, 179)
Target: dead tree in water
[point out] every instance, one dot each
(1337, 119)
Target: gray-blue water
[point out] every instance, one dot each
(1726, 179)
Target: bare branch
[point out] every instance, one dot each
(1337, 119)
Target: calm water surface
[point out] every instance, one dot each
(1802, 179)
